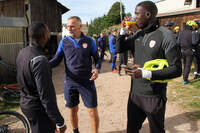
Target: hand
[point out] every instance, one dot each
(61, 130)
(133, 71)
(123, 24)
(127, 18)
(131, 27)
(94, 74)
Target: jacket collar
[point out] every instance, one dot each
(81, 36)
(152, 26)
(37, 46)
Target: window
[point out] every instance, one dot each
(198, 3)
(188, 2)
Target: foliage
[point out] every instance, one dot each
(114, 13)
(112, 18)
(128, 14)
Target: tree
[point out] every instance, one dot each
(112, 18)
(114, 13)
(128, 14)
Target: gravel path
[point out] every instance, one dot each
(113, 91)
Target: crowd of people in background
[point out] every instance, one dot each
(188, 39)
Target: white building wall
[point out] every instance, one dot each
(165, 6)
(64, 31)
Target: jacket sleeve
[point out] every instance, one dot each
(104, 43)
(95, 54)
(55, 61)
(114, 40)
(110, 44)
(195, 37)
(124, 43)
(99, 42)
(173, 55)
(43, 79)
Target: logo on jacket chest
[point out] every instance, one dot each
(152, 43)
(85, 45)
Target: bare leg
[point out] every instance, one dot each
(73, 116)
(94, 118)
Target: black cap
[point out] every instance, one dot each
(169, 23)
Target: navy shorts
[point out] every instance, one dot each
(88, 94)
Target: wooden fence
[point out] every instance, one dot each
(11, 35)
(11, 41)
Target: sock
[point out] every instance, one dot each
(75, 130)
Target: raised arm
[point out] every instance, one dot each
(124, 43)
(55, 61)
(95, 54)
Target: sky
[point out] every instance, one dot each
(88, 10)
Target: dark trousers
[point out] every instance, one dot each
(39, 121)
(102, 52)
(196, 65)
(187, 62)
(197, 58)
(123, 59)
(140, 108)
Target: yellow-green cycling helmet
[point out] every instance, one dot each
(191, 23)
(176, 28)
(157, 64)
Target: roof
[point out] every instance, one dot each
(195, 10)
(159, 1)
(62, 8)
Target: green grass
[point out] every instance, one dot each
(188, 96)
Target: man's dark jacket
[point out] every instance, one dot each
(102, 43)
(152, 42)
(35, 81)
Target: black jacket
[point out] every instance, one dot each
(196, 37)
(35, 81)
(102, 43)
(153, 42)
(185, 39)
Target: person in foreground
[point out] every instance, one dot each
(38, 97)
(147, 97)
(78, 50)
